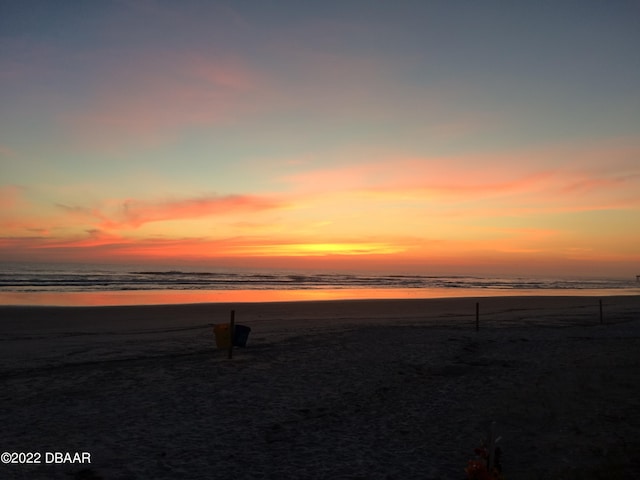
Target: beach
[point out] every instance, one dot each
(359, 389)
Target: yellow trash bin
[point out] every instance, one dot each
(223, 336)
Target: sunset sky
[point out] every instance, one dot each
(420, 136)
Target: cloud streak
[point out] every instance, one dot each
(134, 213)
(529, 181)
(425, 208)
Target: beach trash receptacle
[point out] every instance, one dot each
(221, 332)
(241, 335)
(223, 339)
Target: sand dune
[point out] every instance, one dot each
(347, 389)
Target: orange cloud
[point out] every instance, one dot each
(503, 252)
(531, 181)
(97, 244)
(133, 213)
(21, 216)
(450, 176)
(407, 210)
(18, 216)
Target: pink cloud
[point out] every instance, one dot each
(596, 182)
(226, 74)
(536, 180)
(20, 217)
(10, 195)
(133, 213)
(150, 101)
(6, 152)
(419, 176)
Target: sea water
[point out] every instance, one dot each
(86, 284)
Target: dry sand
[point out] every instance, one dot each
(324, 390)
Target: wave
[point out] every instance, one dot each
(73, 279)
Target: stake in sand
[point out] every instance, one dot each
(601, 318)
(232, 327)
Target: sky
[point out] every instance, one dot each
(434, 137)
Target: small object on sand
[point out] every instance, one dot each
(486, 465)
(229, 335)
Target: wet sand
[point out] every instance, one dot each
(340, 389)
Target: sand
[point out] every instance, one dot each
(324, 390)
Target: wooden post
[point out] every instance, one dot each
(477, 316)
(232, 327)
(601, 318)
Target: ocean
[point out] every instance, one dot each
(84, 284)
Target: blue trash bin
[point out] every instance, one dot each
(241, 335)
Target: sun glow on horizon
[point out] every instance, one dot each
(322, 249)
